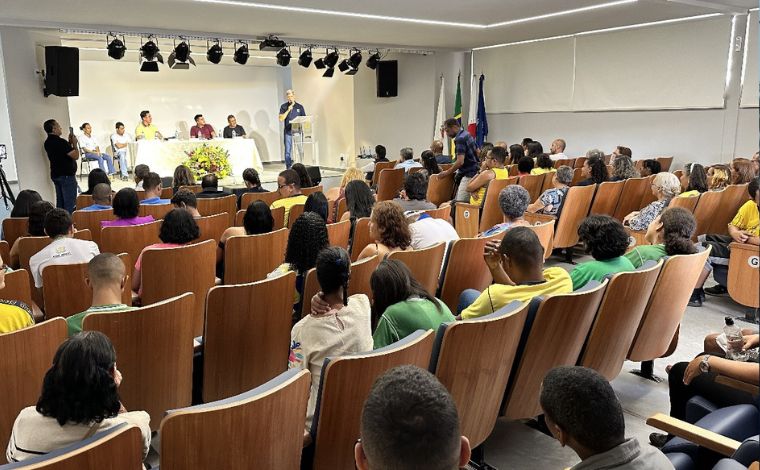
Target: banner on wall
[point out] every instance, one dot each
(482, 120)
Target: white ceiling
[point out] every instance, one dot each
(234, 18)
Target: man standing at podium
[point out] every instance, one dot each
(289, 111)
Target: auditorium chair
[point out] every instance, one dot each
(157, 211)
(512, 170)
(555, 331)
(658, 330)
(17, 287)
(545, 232)
(15, 227)
(310, 289)
(360, 237)
(219, 205)
(167, 191)
(473, 360)
(83, 200)
(686, 203)
(665, 162)
(734, 196)
(533, 184)
(636, 238)
(424, 264)
(313, 189)
(155, 353)
(648, 196)
(195, 188)
(472, 219)
(278, 216)
(548, 183)
(344, 386)
(577, 176)
(25, 356)
(267, 197)
(564, 161)
(390, 182)
(213, 226)
(5, 252)
(91, 220)
(167, 272)
(380, 166)
(261, 428)
(295, 212)
(440, 188)
(338, 233)
(631, 196)
(442, 213)
(131, 239)
(579, 162)
(708, 207)
(741, 277)
(606, 198)
(250, 258)
(361, 273)
(247, 335)
(343, 208)
(618, 318)
(574, 210)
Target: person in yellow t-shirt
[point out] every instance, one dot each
(146, 129)
(289, 187)
(494, 170)
(544, 164)
(14, 314)
(517, 267)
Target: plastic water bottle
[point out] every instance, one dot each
(734, 340)
(234, 134)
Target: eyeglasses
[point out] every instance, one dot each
(280, 186)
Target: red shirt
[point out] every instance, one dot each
(206, 130)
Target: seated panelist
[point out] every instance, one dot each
(146, 129)
(201, 130)
(233, 129)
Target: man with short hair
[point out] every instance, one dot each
(414, 193)
(502, 144)
(106, 276)
(120, 142)
(233, 129)
(557, 150)
(146, 129)
(187, 200)
(369, 168)
(410, 421)
(428, 231)
(289, 111)
(210, 187)
(466, 162)
(437, 148)
(406, 160)
(582, 412)
(101, 198)
(63, 158)
(152, 187)
(201, 130)
(64, 249)
(289, 187)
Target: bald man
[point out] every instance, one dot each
(101, 198)
(557, 150)
(437, 148)
(289, 111)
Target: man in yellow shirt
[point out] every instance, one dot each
(289, 187)
(517, 266)
(146, 129)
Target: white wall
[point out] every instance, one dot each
(6, 137)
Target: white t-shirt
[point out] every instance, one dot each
(559, 156)
(121, 139)
(88, 143)
(429, 231)
(62, 250)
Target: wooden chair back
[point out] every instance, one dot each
(25, 356)
(491, 213)
(267, 249)
(247, 335)
(533, 184)
(268, 423)
(213, 226)
(219, 205)
(168, 272)
(17, 287)
(342, 208)
(5, 252)
(361, 237)
(607, 197)
(15, 227)
(710, 204)
(158, 211)
(155, 348)
(473, 361)
(440, 188)
(574, 210)
(636, 238)
(665, 162)
(579, 162)
(467, 219)
(734, 196)
(268, 198)
(339, 233)
(61, 280)
(278, 215)
(167, 193)
(380, 166)
(545, 232)
(564, 161)
(310, 289)
(295, 212)
(440, 213)
(83, 200)
(390, 182)
(631, 196)
(91, 220)
(548, 182)
(743, 271)
(345, 384)
(560, 327)
(30, 246)
(648, 196)
(361, 273)
(618, 319)
(512, 170)
(195, 188)
(577, 176)
(666, 306)
(415, 170)
(313, 189)
(130, 239)
(688, 203)
(424, 264)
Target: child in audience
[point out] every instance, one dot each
(80, 396)
(153, 189)
(344, 329)
(525, 166)
(126, 207)
(401, 305)
(495, 170)
(513, 201)
(550, 202)
(390, 230)
(544, 164)
(606, 240)
(14, 314)
(35, 228)
(257, 220)
(517, 267)
(665, 186)
(669, 234)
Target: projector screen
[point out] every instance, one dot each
(750, 73)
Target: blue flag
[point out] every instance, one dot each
(482, 131)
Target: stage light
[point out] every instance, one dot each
(355, 58)
(215, 53)
(332, 58)
(329, 72)
(304, 60)
(150, 56)
(283, 57)
(343, 65)
(241, 54)
(180, 58)
(320, 63)
(373, 60)
(272, 43)
(116, 48)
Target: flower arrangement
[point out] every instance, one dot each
(209, 159)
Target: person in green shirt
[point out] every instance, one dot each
(106, 276)
(606, 240)
(669, 234)
(401, 305)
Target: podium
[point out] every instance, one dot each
(302, 129)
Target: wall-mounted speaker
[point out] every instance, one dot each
(61, 71)
(387, 78)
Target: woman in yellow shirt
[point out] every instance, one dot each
(494, 170)
(544, 164)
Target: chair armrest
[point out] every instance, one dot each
(701, 437)
(534, 218)
(467, 220)
(752, 389)
(744, 247)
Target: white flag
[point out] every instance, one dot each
(440, 119)
(472, 122)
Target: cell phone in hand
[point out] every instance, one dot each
(71, 130)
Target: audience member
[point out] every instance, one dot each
(719, 177)
(494, 170)
(513, 201)
(620, 150)
(303, 175)
(80, 396)
(338, 193)
(35, 228)
(233, 129)
(502, 144)
(153, 189)
(557, 150)
(742, 171)
(525, 166)
(256, 221)
(437, 148)
(63, 166)
(91, 149)
(466, 162)
(106, 277)
(94, 178)
(582, 412)
(344, 329)
(126, 208)
(650, 167)
(210, 187)
(390, 230)
(414, 193)
(63, 249)
(594, 168)
(516, 153)
(550, 202)
(201, 130)
(406, 160)
(182, 177)
(101, 198)
(178, 229)
(141, 171)
(623, 169)
(665, 186)
(369, 168)
(756, 163)
(252, 184)
(430, 164)
(693, 180)
(517, 267)
(544, 164)
(669, 234)
(317, 203)
(120, 144)
(187, 200)
(409, 420)
(534, 149)
(524, 144)
(289, 187)
(606, 240)
(401, 305)
(24, 201)
(14, 314)
(428, 231)
(359, 201)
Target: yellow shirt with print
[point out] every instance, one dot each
(692, 193)
(147, 132)
(476, 198)
(14, 317)
(498, 295)
(541, 171)
(287, 203)
(748, 218)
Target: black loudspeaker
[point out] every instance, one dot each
(387, 78)
(314, 174)
(61, 71)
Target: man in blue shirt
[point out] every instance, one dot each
(466, 162)
(152, 187)
(407, 160)
(289, 111)
(101, 198)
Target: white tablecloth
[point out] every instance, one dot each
(164, 156)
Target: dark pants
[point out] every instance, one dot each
(65, 192)
(719, 244)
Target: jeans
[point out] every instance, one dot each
(467, 298)
(100, 158)
(65, 192)
(121, 154)
(289, 150)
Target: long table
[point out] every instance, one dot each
(164, 156)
